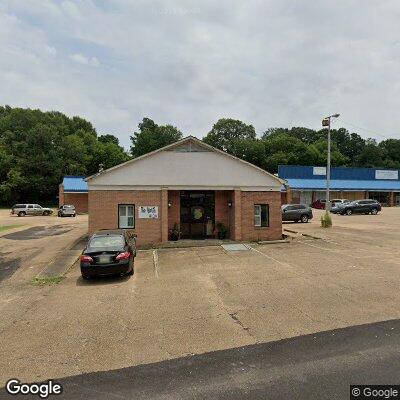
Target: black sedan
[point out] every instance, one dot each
(108, 253)
(358, 207)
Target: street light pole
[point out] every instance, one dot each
(327, 122)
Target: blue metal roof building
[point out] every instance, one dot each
(310, 181)
(74, 190)
(74, 184)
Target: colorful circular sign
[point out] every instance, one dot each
(197, 212)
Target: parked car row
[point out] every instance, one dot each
(321, 203)
(368, 206)
(22, 210)
(303, 213)
(347, 207)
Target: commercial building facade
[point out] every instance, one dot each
(74, 190)
(189, 185)
(306, 184)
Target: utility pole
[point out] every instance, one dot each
(327, 122)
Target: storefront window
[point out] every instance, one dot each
(261, 215)
(126, 216)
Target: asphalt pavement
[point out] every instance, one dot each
(317, 366)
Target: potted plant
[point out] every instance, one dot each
(175, 232)
(222, 231)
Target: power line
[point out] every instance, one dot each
(367, 130)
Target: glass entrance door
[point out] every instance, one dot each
(197, 214)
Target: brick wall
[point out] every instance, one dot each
(79, 200)
(222, 211)
(249, 231)
(60, 195)
(103, 212)
(174, 212)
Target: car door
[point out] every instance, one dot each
(285, 211)
(363, 206)
(289, 213)
(37, 209)
(30, 210)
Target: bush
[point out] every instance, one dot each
(222, 231)
(326, 220)
(175, 232)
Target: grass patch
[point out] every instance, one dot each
(6, 227)
(51, 280)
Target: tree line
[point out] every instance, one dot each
(38, 148)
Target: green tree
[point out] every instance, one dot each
(283, 148)
(109, 139)
(226, 133)
(372, 155)
(391, 149)
(151, 137)
(337, 158)
(38, 148)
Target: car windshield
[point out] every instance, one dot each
(116, 241)
(69, 206)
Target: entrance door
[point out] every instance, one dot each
(197, 214)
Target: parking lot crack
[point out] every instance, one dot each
(236, 319)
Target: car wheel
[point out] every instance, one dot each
(74, 215)
(304, 219)
(349, 212)
(374, 211)
(21, 214)
(130, 273)
(85, 277)
(46, 213)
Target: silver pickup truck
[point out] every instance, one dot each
(30, 209)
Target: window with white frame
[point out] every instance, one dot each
(261, 215)
(126, 216)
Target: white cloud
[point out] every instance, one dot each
(81, 59)
(270, 63)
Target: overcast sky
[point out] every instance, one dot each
(188, 63)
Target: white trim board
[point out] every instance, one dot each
(228, 188)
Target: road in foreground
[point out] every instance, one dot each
(317, 366)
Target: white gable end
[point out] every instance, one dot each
(199, 169)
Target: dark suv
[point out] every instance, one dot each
(358, 207)
(296, 212)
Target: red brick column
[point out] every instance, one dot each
(236, 227)
(164, 215)
(391, 199)
(289, 197)
(60, 195)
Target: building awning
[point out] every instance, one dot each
(74, 184)
(344, 184)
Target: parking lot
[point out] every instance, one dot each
(196, 300)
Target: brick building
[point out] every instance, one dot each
(191, 184)
(306, 184)
(73, 190)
